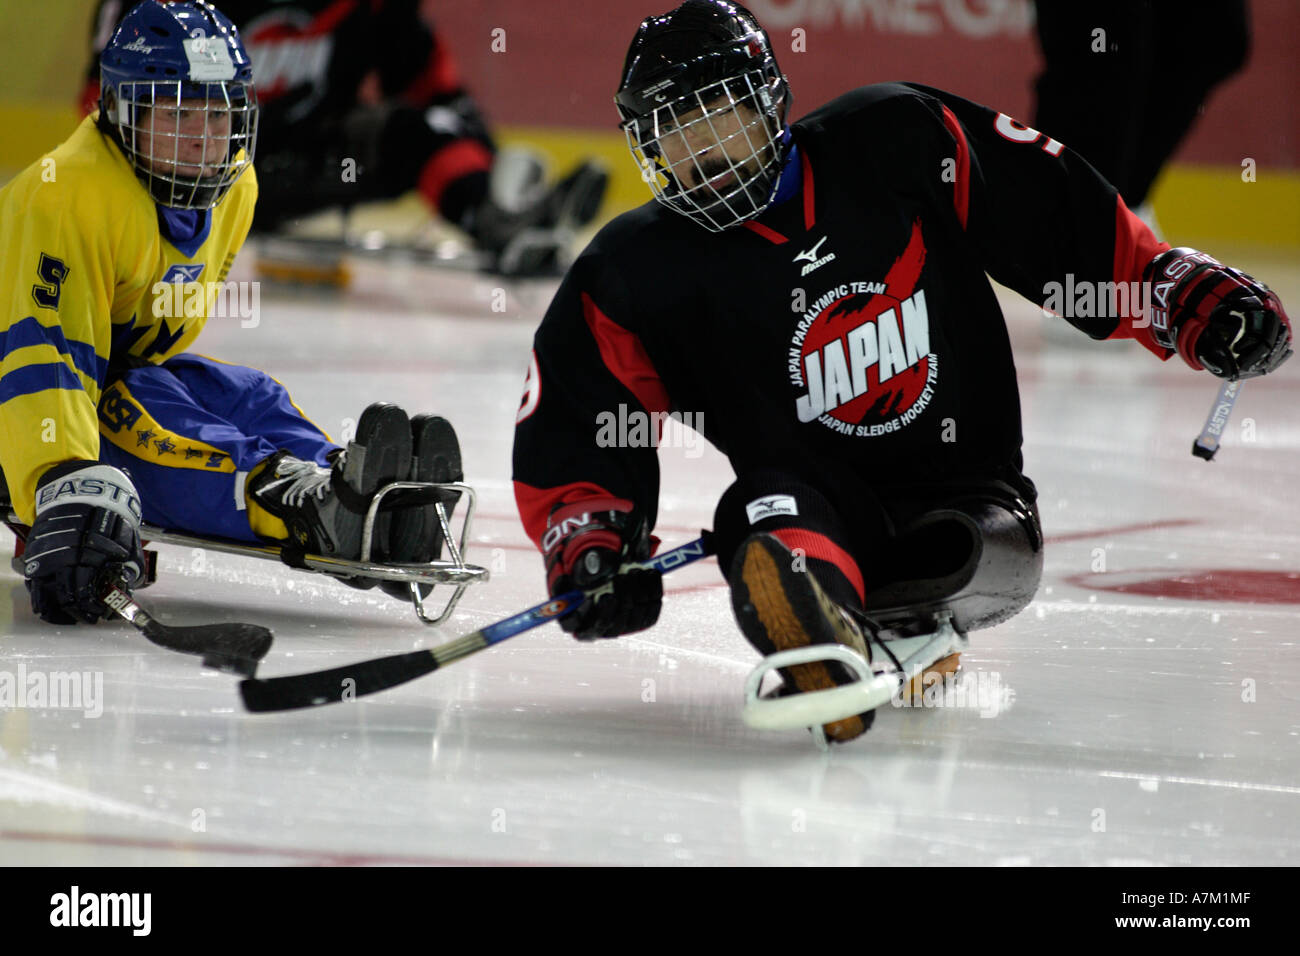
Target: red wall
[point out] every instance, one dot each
(562, 59)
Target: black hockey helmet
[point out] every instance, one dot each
(703, 104)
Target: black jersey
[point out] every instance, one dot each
(850, 329)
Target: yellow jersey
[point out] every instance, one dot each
(88, 277)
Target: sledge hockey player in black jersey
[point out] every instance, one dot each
(815, 293)
(375, 84)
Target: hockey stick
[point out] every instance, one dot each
(1207, 443)
(233, 648)
(367, 677)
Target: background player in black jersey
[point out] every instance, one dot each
(816, 295)
(1124, 80)
(374, 83)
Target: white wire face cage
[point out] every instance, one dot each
(188, 146)
(713, 155)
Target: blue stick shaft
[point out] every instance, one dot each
(560, 605)
(368, 677)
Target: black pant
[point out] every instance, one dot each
(870, 547)
(371, 153)
(1126, 109)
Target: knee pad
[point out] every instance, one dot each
(979, 560)
(771, 502)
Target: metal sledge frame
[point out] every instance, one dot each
(324, 260)
(289, 257)
(454, 572)
(907, 657)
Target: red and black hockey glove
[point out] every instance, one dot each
(1215, 317)
(592, 545)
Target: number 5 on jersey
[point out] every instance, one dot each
(52, 273)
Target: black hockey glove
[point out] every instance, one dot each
(87, 529)
(591, 545)
(1216, 318)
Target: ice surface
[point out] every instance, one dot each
(1134, 716)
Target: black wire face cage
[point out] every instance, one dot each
(713, 155)
(188, 146)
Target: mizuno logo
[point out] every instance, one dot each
(770, 507)
(810, 256)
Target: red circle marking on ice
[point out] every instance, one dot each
(1242, 585)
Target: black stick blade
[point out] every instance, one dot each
(296, 691)
(229, 664)
(221, 642)
(235, 648)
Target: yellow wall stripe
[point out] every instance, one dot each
(29, 130)
(1205, 204)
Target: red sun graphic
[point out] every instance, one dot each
(861, 314)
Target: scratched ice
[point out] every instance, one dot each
(1145, 709)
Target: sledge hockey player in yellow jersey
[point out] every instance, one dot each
(88, 249)
(116, 246)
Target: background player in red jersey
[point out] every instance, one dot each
(374, 83)
(817, 295)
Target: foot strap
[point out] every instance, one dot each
(910, 657)
(814, 708)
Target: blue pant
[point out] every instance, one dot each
(189, 431)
